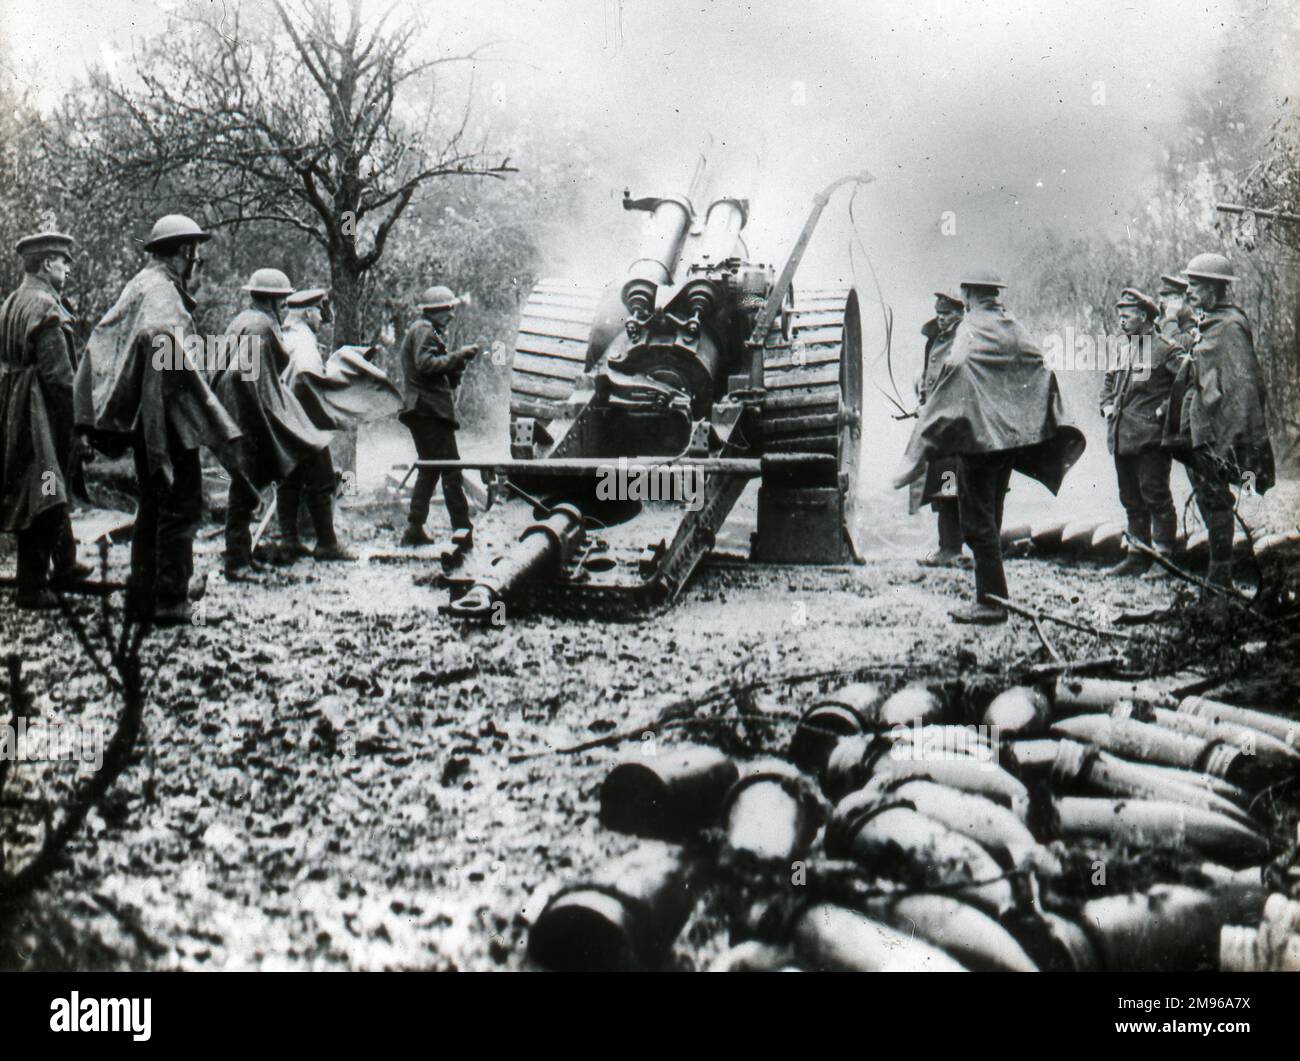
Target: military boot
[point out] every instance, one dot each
(979, 615)
(1133, 564)
(414, 535)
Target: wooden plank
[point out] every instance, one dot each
(802, 377)
(549, 346)
(553, 328)
(539, 387)
(554, 367)
(568, 314)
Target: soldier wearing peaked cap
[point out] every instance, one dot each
(136, 390)
(430, 374)
(1217, 424)
(1134, 401)
(937, 485)
(997, 407)
(277, 433)
(36, 420)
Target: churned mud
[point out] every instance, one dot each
(336, 776)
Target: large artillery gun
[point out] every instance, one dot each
(641, 409)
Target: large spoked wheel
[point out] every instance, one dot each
(814, 389)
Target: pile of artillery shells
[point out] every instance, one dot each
(956, 825)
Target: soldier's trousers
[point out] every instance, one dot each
(983, 479)
(436, 440)
(49, 537)
(162, 544)
(241, 504)
(1148, 502)
(949, 513)
(1211, 485)
(312, 482)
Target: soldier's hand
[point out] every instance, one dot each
(470, 352)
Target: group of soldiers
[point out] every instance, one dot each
(1188, 387)
(267, 416)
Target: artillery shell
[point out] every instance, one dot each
(861, 698)
(852, 764)
(1160, 824)
(1071, 948)
(912, 705)
(773, 813)
(891, 839)
(1018, 711)
(1073, 695)
(1107, 542)
(1147, 743)
(1018, 533)
(1287, 730)
(1080, 768)
(1170, 928)
(668, 796)
(1239, 894)
(1035, 756)
(754, 957)
(625, 917)
(819, 730)
(1047, 536)
(1268, 754)
(834, 938)
(994, 828)
(968, 934)
(1077, 535)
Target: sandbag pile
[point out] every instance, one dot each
(965, 839)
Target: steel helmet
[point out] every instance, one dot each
(982, 278)
(1210, 266)
(172, 229)
(438, 297)
(268, 282)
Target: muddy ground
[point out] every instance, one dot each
(336, 777)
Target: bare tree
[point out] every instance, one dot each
(301, 115)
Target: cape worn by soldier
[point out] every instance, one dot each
(1220, 399)
(995, 394)
(131, 381)
(277, 432)
(36, 364)
(136, 388)
(932, 485)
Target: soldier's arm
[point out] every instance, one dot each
(54, 366)
(1107, 400)
(433, 358)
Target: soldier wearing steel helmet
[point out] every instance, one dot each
(277, 433)
(135, 389)
(430, 374)
(36, 422)
(1218, 426)
(1134, 399)
(997, 407)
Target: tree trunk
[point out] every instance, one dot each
(345, 301)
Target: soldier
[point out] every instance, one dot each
(277, 433)
(998, 408)
(1216, 421)
(313, 479)
(136, 387)
(938, 483)
(430, 375)
(36, 423)
(1134, 400)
